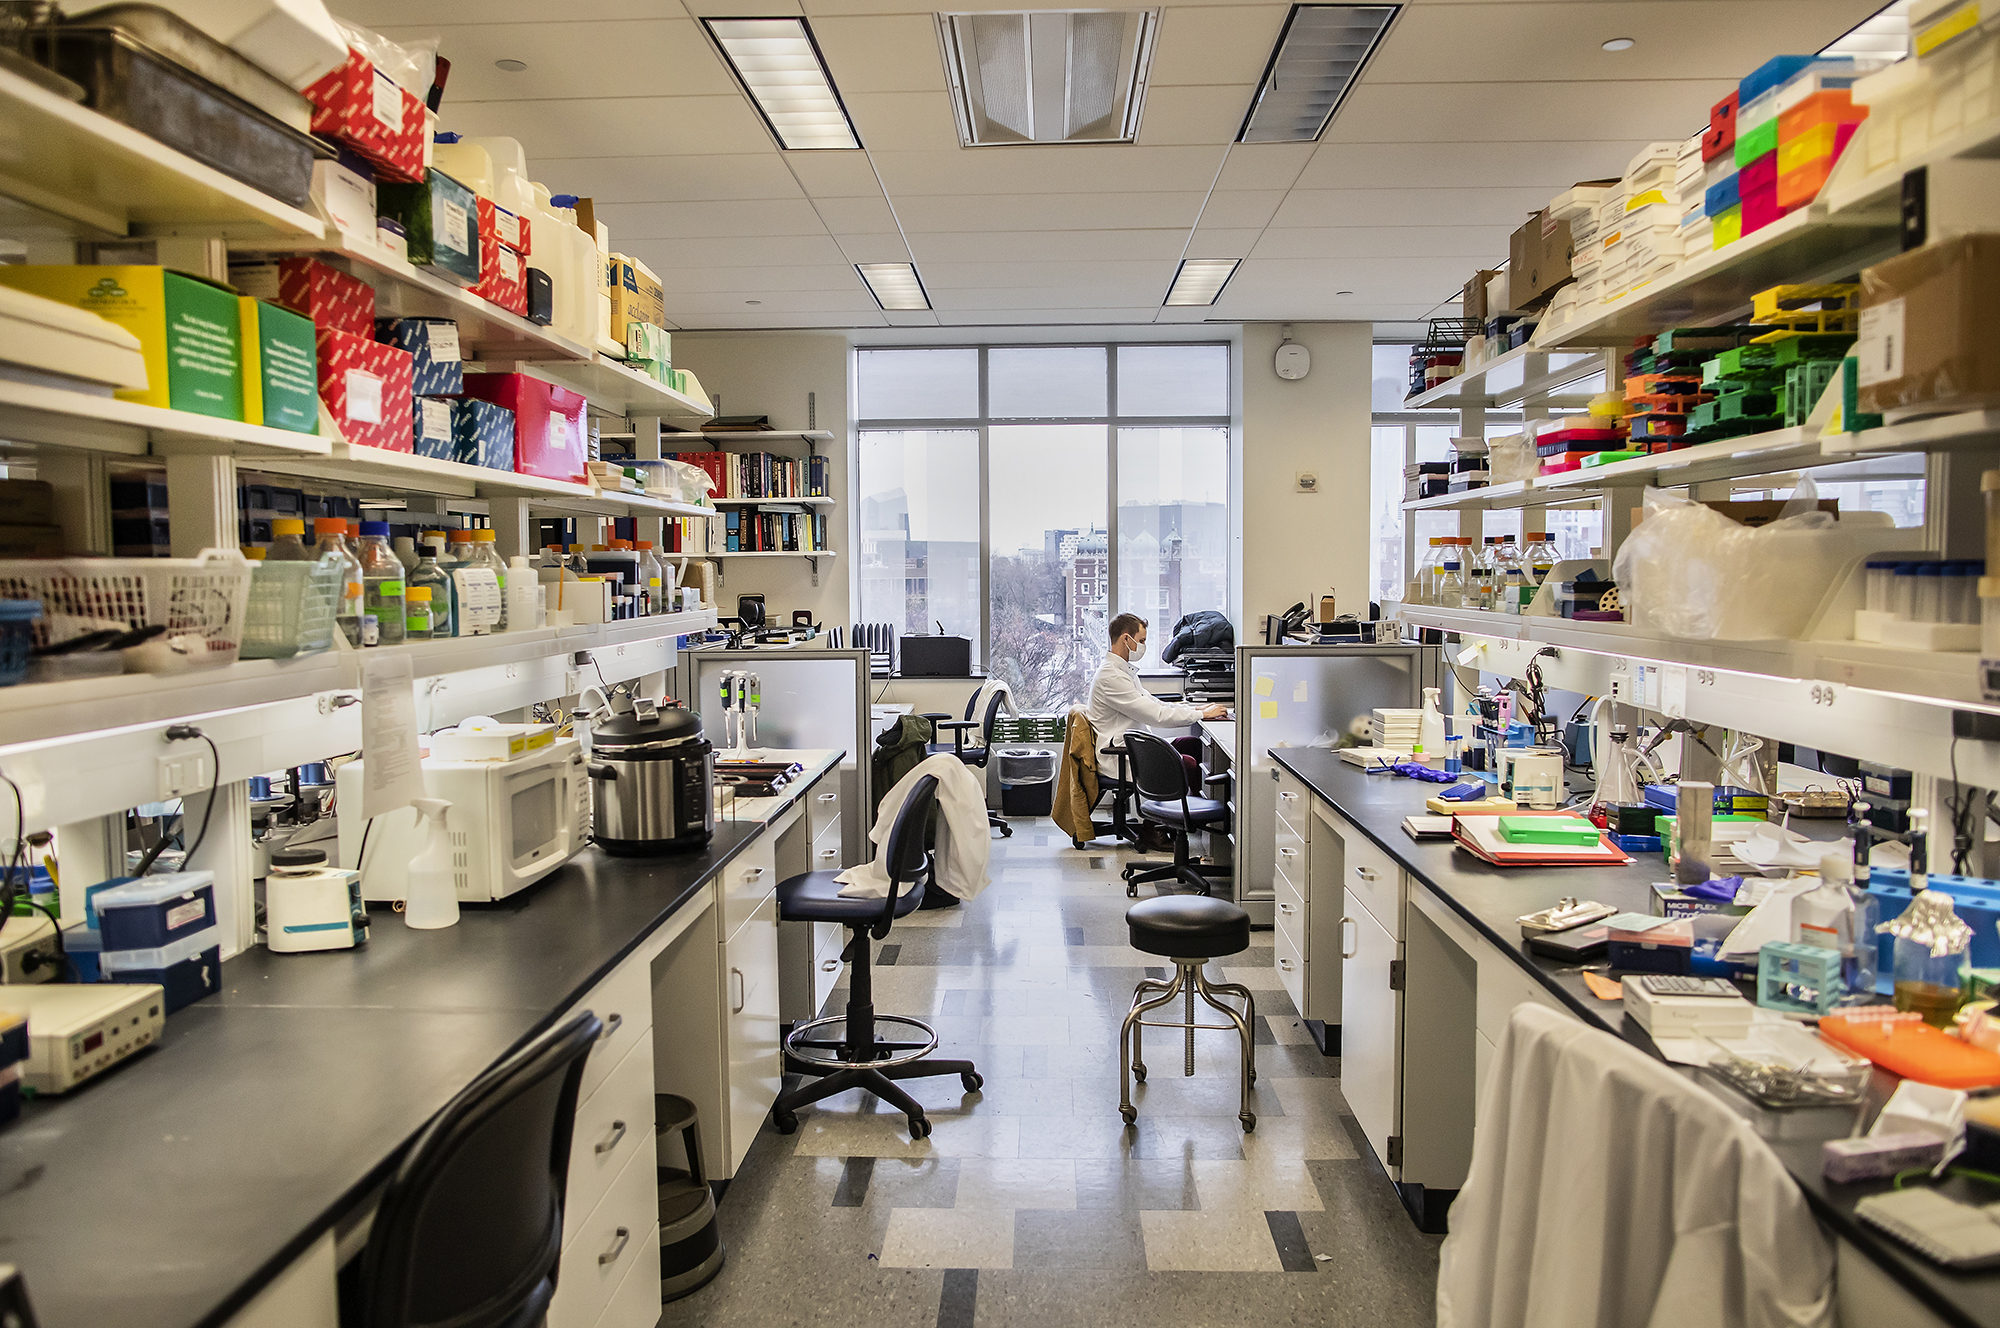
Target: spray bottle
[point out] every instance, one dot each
(432, 898)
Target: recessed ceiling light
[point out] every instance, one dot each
(1320, 52)
(753, 302)
(1200, 280)
(894, 285)
(1343, 292)
(1049, 76)
(1620, 44)
(510, 66)
(779, 65)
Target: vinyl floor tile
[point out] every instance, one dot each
(1016, 1183)
(1135, 1184)
(1231, 1241)
(1261, 1184)
(1062, 1239)
(951, 1238)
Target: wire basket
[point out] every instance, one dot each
(291, 608)
(202, 596)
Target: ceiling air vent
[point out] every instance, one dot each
(1048, 76)
(1319, 55)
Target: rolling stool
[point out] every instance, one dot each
(690, 1240)
(1190, 930)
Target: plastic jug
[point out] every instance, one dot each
(432, 900)
(524, 595)
(572, 261)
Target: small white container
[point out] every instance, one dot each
(1989, 616)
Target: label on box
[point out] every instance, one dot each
(444, 342)
(510, 266)
(437, 418)
(559, 433)
(1549, 223)
(388, 102)
(180, 915)
(478, 600)
(364, 396)
(1878, 352)
(450, 227)
(349, 200)
(509, 226)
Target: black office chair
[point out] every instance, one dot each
(974, 757)
(469, 1230)
(1161, 778)
(859, 1060)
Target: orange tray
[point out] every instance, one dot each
(1906, 1045)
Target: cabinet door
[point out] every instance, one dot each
(750, 1003)
(1370, 1033)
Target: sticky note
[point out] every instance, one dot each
(1299, 690)
(1267, 710)
(1266, 685)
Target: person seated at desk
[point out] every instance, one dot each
(1119, 702)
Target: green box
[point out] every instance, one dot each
(1811, 346)
(442, 219)
(189, 329)
(1852, 418)
(1805, 384)
(1548, 830)
(1756, 143)
(280, 367)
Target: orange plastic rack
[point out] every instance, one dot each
(1906, 1045)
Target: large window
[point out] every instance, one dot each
(1023, 495)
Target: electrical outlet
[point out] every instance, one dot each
(184, 774)
(572, 682)
(1308, 481)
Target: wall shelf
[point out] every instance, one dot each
(777, 553)
(43, 416)
(1505, 379)
(612, 386)
(772, 502)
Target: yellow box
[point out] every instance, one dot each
(1728, 226)
(189, 329)
(1809, 147)
(636, 295)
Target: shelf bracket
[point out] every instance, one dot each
(814, 564)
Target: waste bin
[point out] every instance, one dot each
(1028, 780)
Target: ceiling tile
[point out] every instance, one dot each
(1223, 242)
(1404, 280)
(567, 59)
(1180, 115)
(1426, 113)
(855, 299)
(1265, 165)
(1554, 165)
(1447, 243)
(1029, 246)
(693, 221)
(1409, 207)
(1115, 211)
(1052, 298)
(882, 52)
(902, 121)
(855, 216)
(752, 281)
(746, 251)
(1241, 208)
(595, 127)
(834, 174)
(1046, 170)
(753, 318)
(886, 247)
(746, 8)
(1216, 44)
(1128, 317)
(910, 317)
(977, 276)
(434, 14)
(669, 179)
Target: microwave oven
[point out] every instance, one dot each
(511, 823)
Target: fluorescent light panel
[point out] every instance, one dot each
(1048, 76)
(1884, 35)
(1200, 280)
(1319, 55)
(895, 286)
(779, 65)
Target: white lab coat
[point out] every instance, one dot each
(1608, 1191)
(1119, 703)
(963, 840)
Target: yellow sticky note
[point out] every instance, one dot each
(1267, 710)
(1266, 685)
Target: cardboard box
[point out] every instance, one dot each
(549, 436)
(328, 296)
(441, 218)
(1473, 301)
(189, 329)
(430, 433)
(645, 341)
(502, 278)
(438, 369)
(344, 189)
(482, 434)
(366, 386)
(1926, 343)
(362, 107)
(280, 367)
(1538, 257)
(636, 295)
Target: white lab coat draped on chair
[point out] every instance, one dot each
(963, 840)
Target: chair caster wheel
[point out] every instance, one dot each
(1076, 844)
(786, 1121)
(972, 1080)
(1139, 1073)
(920, 1128)
(1131, 1115)
(1131, 892)
(1249, 1119)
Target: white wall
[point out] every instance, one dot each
(1299, 545)
(770, 373)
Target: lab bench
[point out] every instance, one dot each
(1417, 943)
(224, 1176)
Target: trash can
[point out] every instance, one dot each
(1028, 780)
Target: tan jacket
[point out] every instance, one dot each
(1076, 781)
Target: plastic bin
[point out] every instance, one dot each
(17, 637)
(1028, 780)
(291, 608)
(155, 911)
(203, 596)
(188, 969)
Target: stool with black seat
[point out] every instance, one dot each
(976, 757)
(469, 1230)
(1161, 779)
(1190, 930)
(859, 1059)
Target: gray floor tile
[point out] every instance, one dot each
(1063, 1240)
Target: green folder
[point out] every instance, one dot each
(1548, 830)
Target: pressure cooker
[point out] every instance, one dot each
(652, 780)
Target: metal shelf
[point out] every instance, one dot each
(43, 416)
(772, 502)
(1506, 381)
(1972, 430)
(612, 386)
(776, 553)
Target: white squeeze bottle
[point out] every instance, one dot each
(524, 595)
(431, 901)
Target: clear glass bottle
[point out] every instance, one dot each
(1541, 556)
(288, 544)
(332, 533)
(1478, 569)
(1424, 582)
(382, 582)
(406, 552)
(417, 622)
(1933, 943)
(652, 576)
(1451, 592)
(486, 553)
(436, 582)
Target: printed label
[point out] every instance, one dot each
(364, 397)
(444, 342)
(437, 418)
(510, 266)
(1878, 352)
(449, 224)
(478, 594)
(348, 201)
(388, 103)
(180, 915)
(508, 225)
(559, 432)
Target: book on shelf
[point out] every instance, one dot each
(749, 476)
(773, 532)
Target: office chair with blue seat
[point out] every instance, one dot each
(976, 757)
(1160, 776)
(859, 1059)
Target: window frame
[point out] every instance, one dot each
(1112, 421)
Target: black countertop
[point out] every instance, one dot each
(168, 1191)
(1490, 898)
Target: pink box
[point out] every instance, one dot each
(549, 438)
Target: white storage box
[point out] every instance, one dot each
(57, 338)
(295, 39)
(482, 739)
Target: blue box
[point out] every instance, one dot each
(430, 425)
(433, 345)
(13, 1039)
(1722, 197)
(1975, 899)
(155, 910)
(188, 969)
(1782, 964)
(482, 434)
(1773, 72)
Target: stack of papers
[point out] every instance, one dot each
(1482, 836)
(1401, 729)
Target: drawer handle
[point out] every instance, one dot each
(1285, 964)
(830, 966)
(1287, 797)
(828, 797)
(829, 853)
(1345, 951)
(1365, 873)
(1285, 909)
(616, 1137)
(752, 873)
(612, 1023)
(1288, 853)
(617, 1247)
(742, 991)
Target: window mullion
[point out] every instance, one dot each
(1111, 557)
(985, 529)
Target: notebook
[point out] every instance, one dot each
(1955, 1234)
(1427, 827)
(1481, 835)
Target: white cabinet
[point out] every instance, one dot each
(750, 1006)
(1371, 1029)
(600, 1249)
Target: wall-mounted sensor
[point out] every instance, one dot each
(1293, 362)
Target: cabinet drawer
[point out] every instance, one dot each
(747, 882)
(826, 851)
(599, 1250)
(751, 1012)
(624, 1001)
(1294, 802)
(1293, 860)
(1374, 876)
(1288, 913)
(609, 1125)
(636, 1302)
(1502, 985)
(1291, 962)
(823, 805)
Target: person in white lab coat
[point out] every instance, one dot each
(1119, 702)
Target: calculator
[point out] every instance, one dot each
(1672, 985)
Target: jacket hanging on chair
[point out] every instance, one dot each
(1077, 789)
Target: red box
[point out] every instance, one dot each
(328, 296)
(1720, 136)
(502, 280)
(549, 437)
(515, 234)
(370, 112)
(367, 387)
